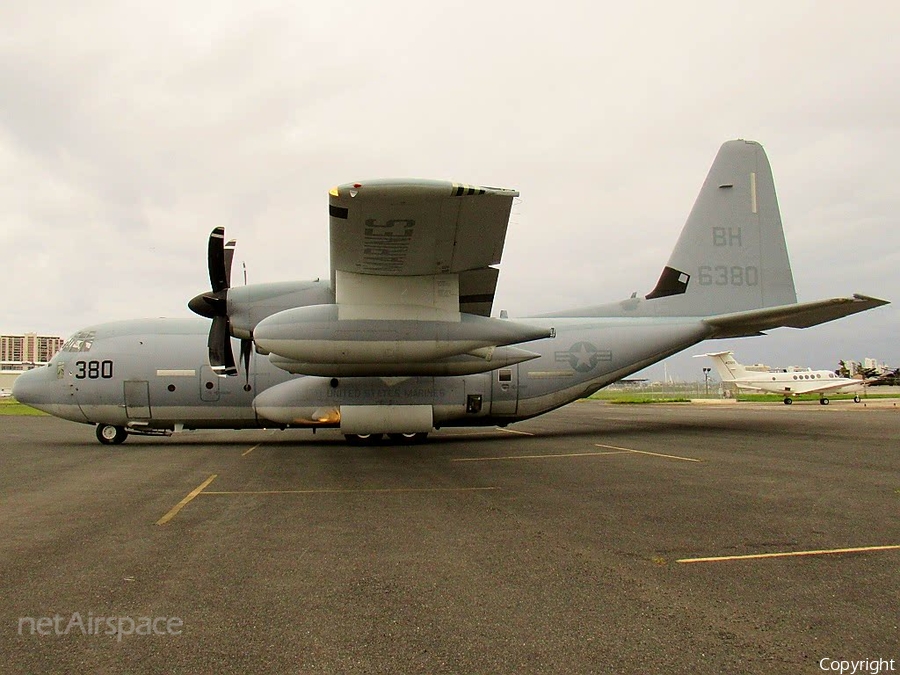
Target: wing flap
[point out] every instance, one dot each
(801, 315)
(476, 290)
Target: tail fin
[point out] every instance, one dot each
(731, 255)
(729, 369)
(730, 266)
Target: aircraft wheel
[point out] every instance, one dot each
(109, 434)
(408, 438)
(363, 439)
(788, 401)
(823, 401)
(856, 399)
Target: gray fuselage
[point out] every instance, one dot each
(152, 374)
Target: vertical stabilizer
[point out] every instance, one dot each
(729, 370)
(731, 255)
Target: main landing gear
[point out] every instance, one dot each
(788, 400)
(109, 434)
(822, 400)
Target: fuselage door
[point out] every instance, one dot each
(137, 399)
(505, 390)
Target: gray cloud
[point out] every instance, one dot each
(128, 131)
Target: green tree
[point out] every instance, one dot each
(842, 370)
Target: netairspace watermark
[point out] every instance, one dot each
(868, 666)
(114, 626)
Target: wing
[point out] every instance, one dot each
(413, 280)
(420, 243)
(837, 387)
(818, 388)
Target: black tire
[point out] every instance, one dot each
(823, 401)
(788, 401)
(109, 434)
(856, 399)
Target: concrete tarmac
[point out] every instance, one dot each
(751, 538)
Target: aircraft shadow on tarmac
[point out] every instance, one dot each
(290, 438)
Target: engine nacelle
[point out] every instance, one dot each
(248, 305)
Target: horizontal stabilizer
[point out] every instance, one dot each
(801, 315)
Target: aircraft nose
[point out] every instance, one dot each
(28, 387)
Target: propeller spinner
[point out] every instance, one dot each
(214, 305)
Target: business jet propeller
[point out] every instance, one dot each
(214, 305)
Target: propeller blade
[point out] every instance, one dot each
(214, 304)
(246, 347)
(221, 358)
(218, 272)
(229, 256)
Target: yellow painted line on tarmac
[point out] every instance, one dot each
(184, 502)
(247, 452)
(492, 433)
(554, 456)
(321, 491)
(645, 452)
(514, 431)
(790, 554)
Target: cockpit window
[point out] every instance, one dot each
(82, 341)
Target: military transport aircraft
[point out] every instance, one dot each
(788, 382)
(400, 340)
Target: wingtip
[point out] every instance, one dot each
(874, 302)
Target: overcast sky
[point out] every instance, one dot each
(129, 130)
